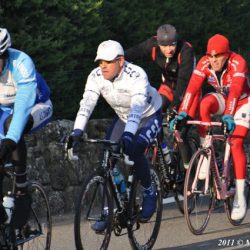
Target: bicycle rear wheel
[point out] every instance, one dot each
(143, 235)
(36, 233)
(94, 204)
(198, 203)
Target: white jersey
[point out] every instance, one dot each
(129, 94)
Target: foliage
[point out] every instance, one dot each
(62, 35)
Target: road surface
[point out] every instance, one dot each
(174, 233)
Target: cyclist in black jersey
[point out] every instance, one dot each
(175, 57)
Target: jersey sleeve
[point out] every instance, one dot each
(236, 89)
(194, 86)
(186, 67)
(140, 51)
(25, 78)
(138, 102)
(88, 102)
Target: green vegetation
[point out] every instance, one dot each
(62, 35)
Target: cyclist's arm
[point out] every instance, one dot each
(140, 51)
(88, 102)
(186, 67)
(25, 78)
(239, 78)
(138, 103)
(194, 85)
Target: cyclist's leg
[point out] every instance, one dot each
(40, 115)
(211, 104)
(184, 147)
(148, 130)
(167, 96)
(239, 159)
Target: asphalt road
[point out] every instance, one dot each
(174, 233)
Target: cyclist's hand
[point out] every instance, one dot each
(128, 145)
(178, 121)
(7, 146)
(72, 142)
(171, 113)
(228, 123)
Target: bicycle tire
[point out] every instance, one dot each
(142, 235)
(228, 203)
(37, 232)
(197, 205)
(94, 195)
(180, 172)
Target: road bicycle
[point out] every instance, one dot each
(35, 233)
(171, 175)
(100, 197)
(200, 194)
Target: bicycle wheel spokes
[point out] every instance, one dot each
(198, 198)
(143, 235)
(94, 205)
(36, 233)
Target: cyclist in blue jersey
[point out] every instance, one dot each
(25, 106)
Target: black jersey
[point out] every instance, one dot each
(176, 71)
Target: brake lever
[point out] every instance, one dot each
(71, 155)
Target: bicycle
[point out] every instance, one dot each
(36, 232)
(171, 175)
(100, 197)
(218, 185)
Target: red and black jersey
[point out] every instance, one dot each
(176, 71)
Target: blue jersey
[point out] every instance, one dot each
(19, 90)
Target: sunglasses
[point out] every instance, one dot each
(216, 55)
(109, 62)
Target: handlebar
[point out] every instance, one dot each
(209, 124)
(106, 142)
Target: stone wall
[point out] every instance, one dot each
(62, 178)
(47, 164)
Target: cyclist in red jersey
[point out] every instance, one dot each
(227, 72)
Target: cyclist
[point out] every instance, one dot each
(24, 107)
(227, 72)
(138, 108)
(175, 57)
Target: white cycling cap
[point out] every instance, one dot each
(109, 50)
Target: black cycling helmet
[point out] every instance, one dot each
(166, 35)
(5, 41)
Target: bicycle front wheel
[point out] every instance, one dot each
(198, 197)
(36, 233)
(94, 205)
(142, 235)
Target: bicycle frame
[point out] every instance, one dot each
(107, 165)
(221, 182)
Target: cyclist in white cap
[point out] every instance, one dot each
(138, 108)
